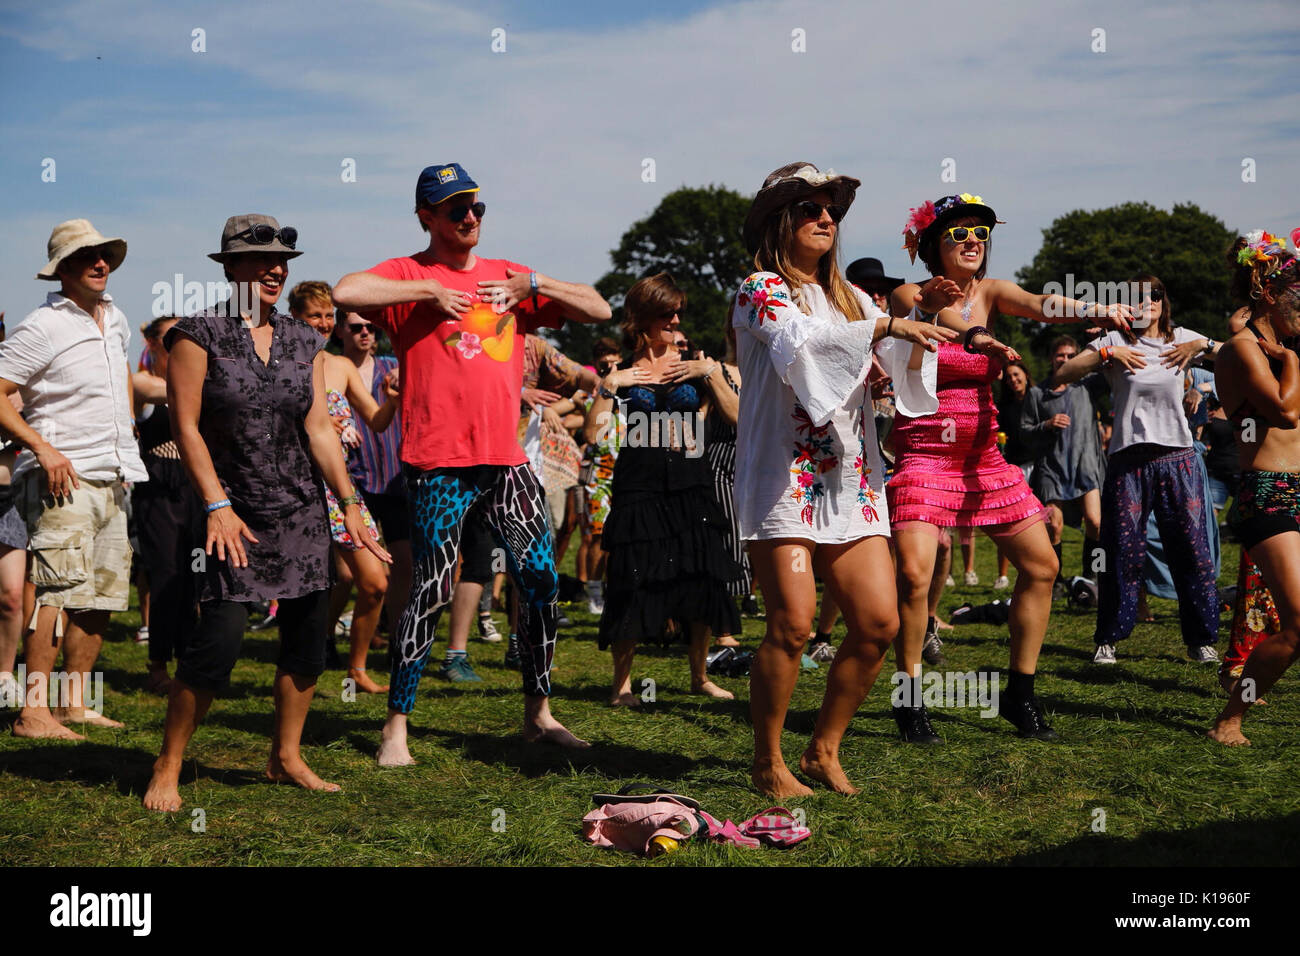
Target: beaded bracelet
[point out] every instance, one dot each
(218, 505)
(973, 331)
(1107, 353)
(352, 499)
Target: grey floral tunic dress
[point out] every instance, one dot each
(252, 422)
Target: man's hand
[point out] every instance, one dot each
(58, 470)
(450, 302)
(504, 294)
(551, 420)
(1060, 422)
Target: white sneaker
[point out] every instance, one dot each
(1001, 584)
(823, 652)
(487, 629)
(142, 635)
(1204, 654)
(972, 578)
(1105, 654)
(595, 597)
(950, 583)
(344, 625)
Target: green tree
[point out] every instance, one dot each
(694, 234)
(1184, 248)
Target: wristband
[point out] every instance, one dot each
(352, 499)
(217, 505)
(1209, 346)
(532, 282)
(889, 327)
(973, 331)
(712, 368)
(1107, 352)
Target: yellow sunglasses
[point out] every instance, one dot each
(962, 233)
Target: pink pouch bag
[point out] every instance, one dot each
(631, 826)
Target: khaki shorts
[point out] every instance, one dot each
(80, 556)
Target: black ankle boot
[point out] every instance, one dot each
(914, 725)
(1026, 713)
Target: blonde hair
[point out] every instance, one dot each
(650, 298)
(310, 291)
(773, 255)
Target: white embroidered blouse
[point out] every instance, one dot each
(807, 460)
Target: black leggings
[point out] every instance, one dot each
(170, 523)
(207, 662)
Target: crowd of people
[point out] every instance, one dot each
(846, 438)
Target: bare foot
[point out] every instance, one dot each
(777, 781)
(551, 731)
(1227, 731)
(393, 751)
(364, 683)
(43, 728)
(163, 794)
(941, 625)
(827, 770)
(296, 771)
(627, 699)
(710, 689)
(1229, 684)
(87, 716)
(726, 640)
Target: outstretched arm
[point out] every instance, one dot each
(368, 292)
(579, 302)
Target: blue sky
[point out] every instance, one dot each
(159, 144)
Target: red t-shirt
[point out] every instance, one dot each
(460, 379)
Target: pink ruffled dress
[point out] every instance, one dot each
(950, 472)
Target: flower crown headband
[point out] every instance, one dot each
(925, 214)
(1261, 246)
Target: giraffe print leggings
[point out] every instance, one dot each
(514, 509)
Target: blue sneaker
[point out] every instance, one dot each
(458, 671)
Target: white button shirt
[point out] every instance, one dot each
(73, 382)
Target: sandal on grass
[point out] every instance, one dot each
(775, 827)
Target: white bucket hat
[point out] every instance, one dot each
(75, 234)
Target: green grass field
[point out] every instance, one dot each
(1132, 747)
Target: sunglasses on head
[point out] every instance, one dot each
(458, 212)
(360, 328)
(962, 233)
(263, 235)
(807, 209)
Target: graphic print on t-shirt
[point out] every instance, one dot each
(483, 330)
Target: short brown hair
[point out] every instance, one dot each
(650, 298)
(605, 346)
(310, 291)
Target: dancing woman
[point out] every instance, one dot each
(951, 474)
(809, 483)
(1152, 468)
(1258, 380)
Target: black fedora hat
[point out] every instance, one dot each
(865, 272)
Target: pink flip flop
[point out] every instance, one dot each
(727, 832)
(775, 827)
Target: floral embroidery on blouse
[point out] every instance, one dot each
(867, 496)
(812, 458)
(757, 294)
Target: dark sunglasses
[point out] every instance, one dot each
(263, 235)
(1157, 295)
(359, 328)
(807, 209)
(458, 212)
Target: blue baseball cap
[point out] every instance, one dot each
(442, 182)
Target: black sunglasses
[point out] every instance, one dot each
(358, 328)
(263, 235)
(807, 209)
(1157, 295)
(458, 212)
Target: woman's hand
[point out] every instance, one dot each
(922, 333)
(625, 377)
(1118, 316)
(532, 397)
(225, 529)
(1131, 359)
(986, 344)
(356, 527)
(937, 294)
(681, 371)
(1180, 356)
(551, 420)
